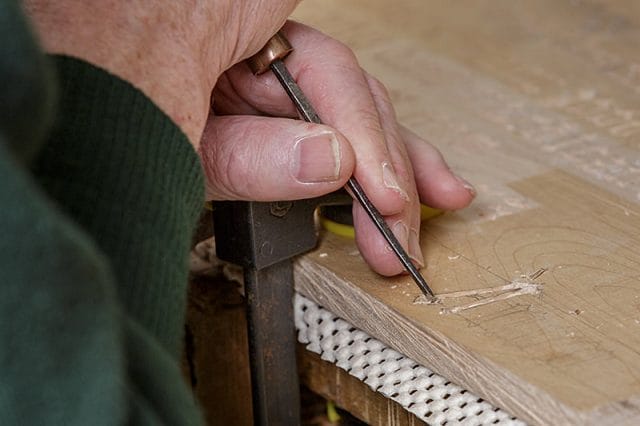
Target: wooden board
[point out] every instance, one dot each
(350, 393)
(538, 104)
(216, 359)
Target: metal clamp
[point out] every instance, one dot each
(263, 238)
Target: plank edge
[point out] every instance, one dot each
(330, 291)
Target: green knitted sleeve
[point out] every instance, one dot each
(120, 168)
(128, 175)
(95, 221)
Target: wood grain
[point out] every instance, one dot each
(217, 353)
(350, 393)
(538, 104)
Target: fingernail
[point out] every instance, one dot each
(466, 185)
(317, 158)
(391, 180)
(415, 251)
(401, 232)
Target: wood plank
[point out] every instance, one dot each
(537, 104)
(217, 353)
(350, 393)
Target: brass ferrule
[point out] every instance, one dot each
(278, 47)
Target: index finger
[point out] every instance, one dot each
(330, 76)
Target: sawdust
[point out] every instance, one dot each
(520, 286)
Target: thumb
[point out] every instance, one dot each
(269, 159)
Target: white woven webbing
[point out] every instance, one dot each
(429, 396)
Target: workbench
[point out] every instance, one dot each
(538, 104)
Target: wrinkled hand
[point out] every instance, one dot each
(248, 154)
(174, 51)
(179, 53)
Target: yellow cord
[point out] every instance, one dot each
(339, 229)
(347, 231)
(427, 212)
(332, 412)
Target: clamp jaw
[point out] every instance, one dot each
(263, 238)
(260, 234)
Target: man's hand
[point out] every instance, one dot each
(180, 53)
(174, 51)
(291, 159)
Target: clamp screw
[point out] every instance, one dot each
(266, 249)
(280, 208)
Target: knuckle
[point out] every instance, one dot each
(370, 121)
(339, 54)
(381, 95)
(336, 47)
(225, 166)
(377, 86)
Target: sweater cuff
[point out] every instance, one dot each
(122, 169)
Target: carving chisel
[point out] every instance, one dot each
(271, 57)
